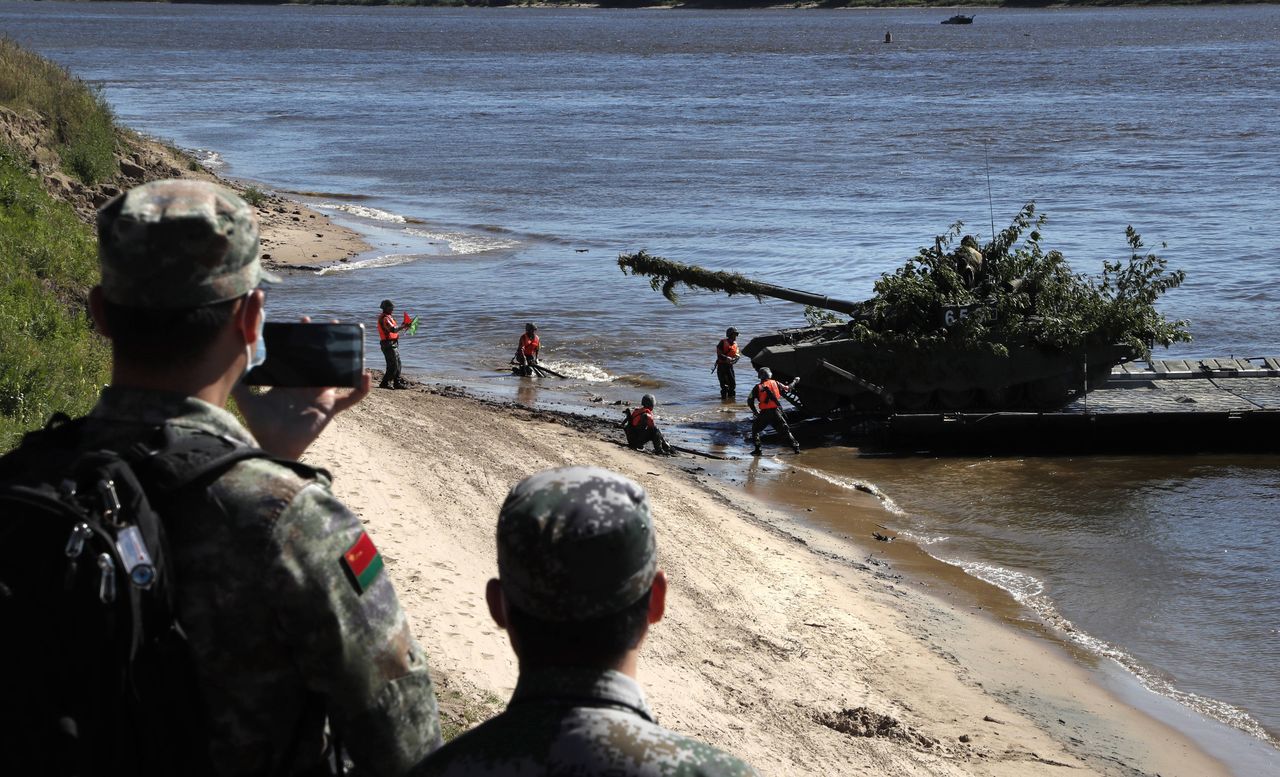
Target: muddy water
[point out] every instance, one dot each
(1015, 535)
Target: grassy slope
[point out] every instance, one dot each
(50, 358)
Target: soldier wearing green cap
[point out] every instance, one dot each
(578, 587)
(293, 628)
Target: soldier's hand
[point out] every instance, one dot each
(287, 420)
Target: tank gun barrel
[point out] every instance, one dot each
(664, 275)
(848, 307)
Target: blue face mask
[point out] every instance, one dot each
(258, 351)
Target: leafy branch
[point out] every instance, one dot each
(664, 275)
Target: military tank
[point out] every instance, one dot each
(1003, 326)
(838, 371)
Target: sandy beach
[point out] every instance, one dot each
(779, 644)
(295, 237)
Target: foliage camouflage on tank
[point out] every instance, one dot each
(999, 326)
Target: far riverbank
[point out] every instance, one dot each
(744, 5)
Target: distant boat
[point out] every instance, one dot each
(959, 19)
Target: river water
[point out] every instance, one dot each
(499, 160)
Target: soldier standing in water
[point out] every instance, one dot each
(389, 340)
(726, 357)
(768, 393)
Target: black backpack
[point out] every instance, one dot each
(95, 673)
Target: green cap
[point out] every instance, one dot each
(178, 244)
(575, 543)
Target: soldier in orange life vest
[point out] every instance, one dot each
(640, 428)
(389, 339)
(527, 350)
(769, 394)
(726, 357)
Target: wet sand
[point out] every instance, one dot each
(296, 237)
(784, 642)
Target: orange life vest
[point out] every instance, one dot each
(386, 327)
(726, 351)
(768, 393)
(529, 345)
(642, 415)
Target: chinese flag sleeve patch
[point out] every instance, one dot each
(362, 563)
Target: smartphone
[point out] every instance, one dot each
(310, 355)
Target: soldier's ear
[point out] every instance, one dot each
(658, 597)
(251, 308)
(496, 601)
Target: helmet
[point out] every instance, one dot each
(387, 304)
(531, 327)
(730, 332)
(648, 400)
(765, 373)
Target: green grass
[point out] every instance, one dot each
(50, 358)
(254, 196)
(83, 131)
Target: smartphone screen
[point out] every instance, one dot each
(310, 355)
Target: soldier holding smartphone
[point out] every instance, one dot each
(292, 624)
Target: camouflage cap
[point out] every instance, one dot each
(178, 244)
(575, 543)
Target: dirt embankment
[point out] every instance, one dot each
(293, 235)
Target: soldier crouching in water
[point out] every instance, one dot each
(769, 396)
(527, 349)
(578, 587)
(641, 428)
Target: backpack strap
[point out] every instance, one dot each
(172, 461)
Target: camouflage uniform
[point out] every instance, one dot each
(282, 635)
(576, 544)
(279, 634)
